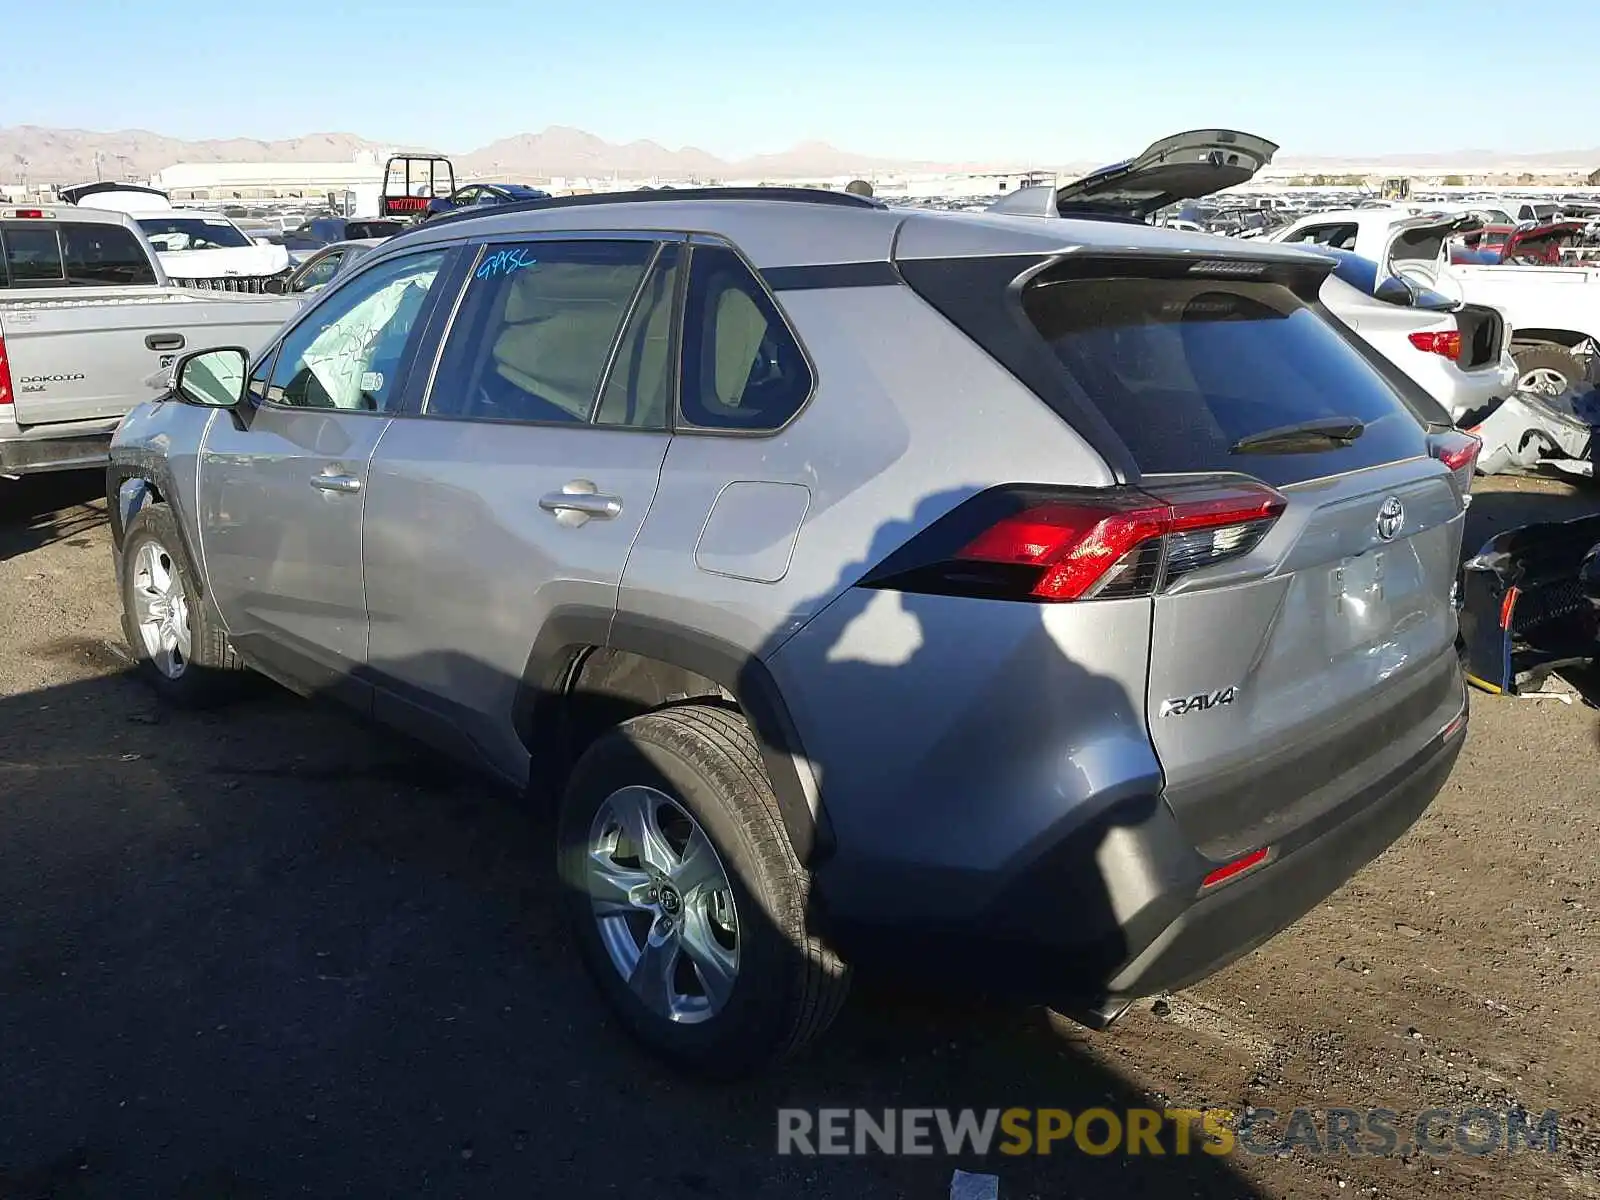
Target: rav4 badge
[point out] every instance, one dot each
(1182, 706)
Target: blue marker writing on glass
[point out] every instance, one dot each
(504, 262)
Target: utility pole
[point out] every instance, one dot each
(23, 163)
(99, 157)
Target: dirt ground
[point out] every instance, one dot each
(271, 952)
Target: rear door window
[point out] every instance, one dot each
(1186, 369)
(535, 330)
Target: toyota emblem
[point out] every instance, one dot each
(1391, 516)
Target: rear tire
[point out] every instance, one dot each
(762, 987)
(1539, 367)
(180, 649)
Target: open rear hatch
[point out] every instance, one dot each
(1416, 246)
(1182, 167)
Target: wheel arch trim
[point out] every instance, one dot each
(569, 637)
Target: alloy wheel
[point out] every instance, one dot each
(161, 609)
(663, 906)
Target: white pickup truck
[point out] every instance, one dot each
(87, 319)
(1553, 312)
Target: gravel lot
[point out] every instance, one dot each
(272, 952)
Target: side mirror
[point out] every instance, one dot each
(212, 378)
(262, 241)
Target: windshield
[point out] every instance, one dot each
(171, 235)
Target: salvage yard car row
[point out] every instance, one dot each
(674, 512)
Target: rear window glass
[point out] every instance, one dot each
(33, 256)
(1185, 369)
(97, 255)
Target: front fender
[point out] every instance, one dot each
(154, 457)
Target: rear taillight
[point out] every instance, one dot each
(1447, 343)
(1459, 452)
(1052, 545)
(5, 373)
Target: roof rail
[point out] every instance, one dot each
(791, 195)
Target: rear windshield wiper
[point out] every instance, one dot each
(1303, 437)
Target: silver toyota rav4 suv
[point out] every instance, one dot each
(1061, 604)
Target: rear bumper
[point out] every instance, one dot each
(32, 455)
(1118, 910)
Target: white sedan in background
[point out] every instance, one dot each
(1459, 353)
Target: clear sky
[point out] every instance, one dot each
(1020, 80)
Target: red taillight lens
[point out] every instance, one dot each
(1073, 546)
(1447, 343)
(5, 374)
(1060, 545)
(1459, 452)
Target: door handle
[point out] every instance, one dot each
(164, 341)
(578, 502)
(336, 483)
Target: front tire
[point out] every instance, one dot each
(179, 648)
(685, 897)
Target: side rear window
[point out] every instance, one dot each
(33, 255)
(742, 368)
(96, 255)
(1187, 370)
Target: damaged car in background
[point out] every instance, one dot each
(1553, 312)
(1530, 605)
(1458, 353)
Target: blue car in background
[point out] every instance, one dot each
(475, 195)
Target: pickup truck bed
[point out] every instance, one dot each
(76, 356)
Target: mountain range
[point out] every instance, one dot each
(73, 155)
(69, 156)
